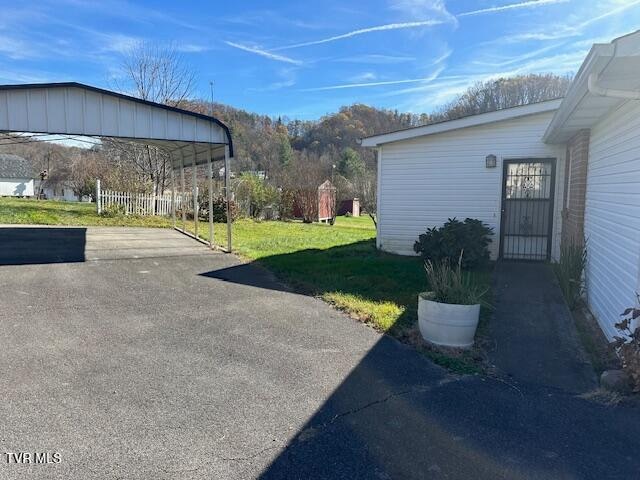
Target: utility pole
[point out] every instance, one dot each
(211, 104)
(44, 173)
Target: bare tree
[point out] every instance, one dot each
(368, 195)
(504, 93)
(136, 166)
(86, 166)
(157, 73)
(303, 176)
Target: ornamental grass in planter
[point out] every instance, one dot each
(448, 314)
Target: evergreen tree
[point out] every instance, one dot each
(351, 166)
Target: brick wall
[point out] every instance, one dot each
(575, 188)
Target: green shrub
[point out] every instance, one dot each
(452, 285)
(573, 259)
(254, 194)
(113, 210)
(449, 241)
(219, 209)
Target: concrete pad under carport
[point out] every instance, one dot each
(25, 244)
(200, 366)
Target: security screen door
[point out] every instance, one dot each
(527, 209)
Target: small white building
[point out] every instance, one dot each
(16, 176)
(62, 191)
(542, 174)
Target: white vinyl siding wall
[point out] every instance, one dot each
(612, 215)
(16, 187)
(423, 181)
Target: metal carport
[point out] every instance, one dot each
(74, 110)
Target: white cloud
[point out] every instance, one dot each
(8, 75)
(375, 84)
(502, 61)
(418, 9)
(131, 12)
(287, 78)
(117, 42)
(362, 31)
(433, 94)
(376, 59)
(513, 6)
(191, 48)
(364, 77)
(421, 8)
(15, 48)
(615, 11)
(559, 64)
(447, 53)
(571, 27)
(264, 53)
(555, 34)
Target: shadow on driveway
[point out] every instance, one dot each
(39, 245)
(396, 415)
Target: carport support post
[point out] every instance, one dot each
(173, 195)
(194, 177)
(210, 174)
(98, 206)
(227, 193)
(183, 203)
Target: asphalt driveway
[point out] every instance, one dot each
(156, 364)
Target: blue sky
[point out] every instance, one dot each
(305, 59)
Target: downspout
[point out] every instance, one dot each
(596, 89)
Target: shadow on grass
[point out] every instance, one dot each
(357, 270)
(375, 287)
(41, 245)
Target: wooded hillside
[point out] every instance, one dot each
(284, 152)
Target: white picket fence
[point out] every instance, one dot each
(141, 203)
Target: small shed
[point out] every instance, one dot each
(16, 176)
(316, 205)
(61, 190)
(350, 206)
(326, 202)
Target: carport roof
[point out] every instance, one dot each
(76, 110)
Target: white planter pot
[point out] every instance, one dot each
(446, 324)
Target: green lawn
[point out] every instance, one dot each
(338, 263)
(50, 212)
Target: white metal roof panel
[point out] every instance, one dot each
(75, 109)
